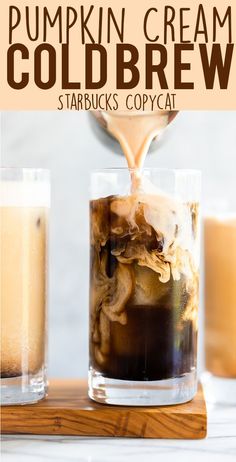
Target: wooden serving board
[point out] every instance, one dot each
(68, 411)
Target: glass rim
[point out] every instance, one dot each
(186, 171)
(26, 169)
(25, 174)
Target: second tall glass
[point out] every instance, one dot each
(144, 287)
(24, 205)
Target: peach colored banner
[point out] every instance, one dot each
(109, 55)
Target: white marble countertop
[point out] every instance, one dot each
(220, 445)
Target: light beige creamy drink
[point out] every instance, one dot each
(220, 295)
(23, 231)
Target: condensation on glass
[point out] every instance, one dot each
(24, 210)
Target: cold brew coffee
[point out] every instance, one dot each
(143, 293)
(220, 307)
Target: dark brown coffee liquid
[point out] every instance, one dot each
(149, 346)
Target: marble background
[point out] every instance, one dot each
(68, 144)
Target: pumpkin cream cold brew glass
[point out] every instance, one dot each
(144, 286)
(24, 204)
(220, 304)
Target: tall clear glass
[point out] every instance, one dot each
(144, 273)
(24, 207)
(220, 302)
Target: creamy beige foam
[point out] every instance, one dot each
(171, 220)
(220, 295)
(24, 194)
(23, 230)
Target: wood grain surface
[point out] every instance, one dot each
(68, 411)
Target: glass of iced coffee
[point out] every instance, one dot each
(24, 206)
(144, 277)
(220, 304)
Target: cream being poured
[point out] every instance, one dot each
(135, 131)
